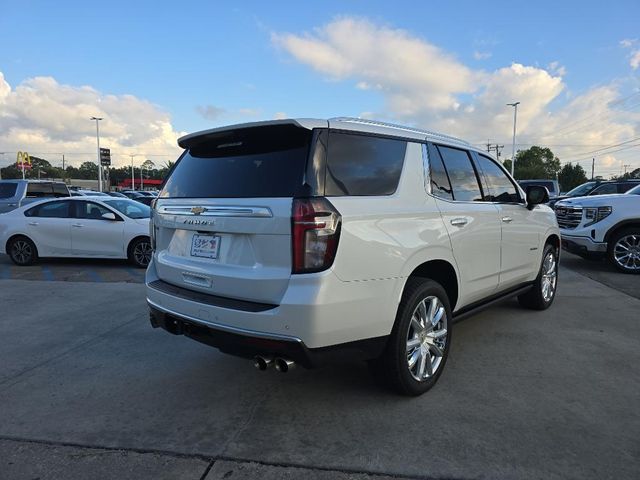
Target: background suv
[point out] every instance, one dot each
(309, 241)
(16, 193)
(601, 225)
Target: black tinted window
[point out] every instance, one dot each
(39, 190)
(50, 210)
(60, 190)
(461, 174)
(440, 186)
(605, 188)
(251, 162)
(501, 189)
(8, 190)
(363, 165)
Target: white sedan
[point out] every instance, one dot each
(90, 227)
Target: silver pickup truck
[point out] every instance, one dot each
(16, 193)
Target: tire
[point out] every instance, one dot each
(22, 251)
(543, 291)
(416, 339)
(624, 250)
(140, 252)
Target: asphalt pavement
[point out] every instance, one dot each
(89, 390)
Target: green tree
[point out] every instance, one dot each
(88, 171)
(535, 162)
(570, 176)
(629, 175)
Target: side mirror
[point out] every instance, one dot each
(536, 194)
(109, 216)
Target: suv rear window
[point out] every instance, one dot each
(363, 165)
(8, 190)
(39, 189)
(264, 161)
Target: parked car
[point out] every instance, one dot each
(15, 193)
(302, 241)
(551, 185)
(597, 187)
(92, 227)
(116, 194)
(79, 192)
(603, 225)
(138, 196)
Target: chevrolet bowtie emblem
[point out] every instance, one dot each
(197, 210)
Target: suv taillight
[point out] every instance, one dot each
(315, 228)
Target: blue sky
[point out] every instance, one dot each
(225, 56)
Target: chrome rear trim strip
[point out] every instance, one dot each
(216, 211)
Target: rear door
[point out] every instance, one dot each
(223, 219)
(49, 226)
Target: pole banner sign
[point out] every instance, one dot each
(105, 157)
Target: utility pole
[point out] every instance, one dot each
(513, 147)
(63, 162)
(625, 168)
(97, 119)
(1, 153)
(133, 178)
(593, 167)
(489, 145)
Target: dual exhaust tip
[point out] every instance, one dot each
(283, 365)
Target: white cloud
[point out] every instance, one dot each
(628, 42)
(42, 116)
(210, 112)
(634, 55)
(280, 116)
(422, 84)
(481, 55)
(634, 61)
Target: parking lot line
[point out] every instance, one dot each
(94, 275)
(5, 272)
(47, 274)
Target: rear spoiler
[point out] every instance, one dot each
(193, 138)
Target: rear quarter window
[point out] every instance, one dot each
(39, 190)
(363, 165)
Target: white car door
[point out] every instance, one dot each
(520, 255)
(49, 226)
(94, 236)
(473, 225)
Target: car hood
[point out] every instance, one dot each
(599, 200)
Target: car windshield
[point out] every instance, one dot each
(130, 208)
(8, 190)
(581, 190)
(634, 191)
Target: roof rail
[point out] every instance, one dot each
(399, 127)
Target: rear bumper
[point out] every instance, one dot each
(249, 344)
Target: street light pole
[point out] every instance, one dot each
(133, 178)
(97, 119)
(513, 146)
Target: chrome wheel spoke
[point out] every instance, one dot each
(412, 344)
(426, 338)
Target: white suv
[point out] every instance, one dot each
(603, 225)
(306, 241)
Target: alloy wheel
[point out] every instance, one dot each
(142, 253)
(626, 252)
(549, 276)
(21, 251)
(426, 338)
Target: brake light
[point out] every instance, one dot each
(315, 225)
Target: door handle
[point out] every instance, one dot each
(459, 222)
(507, 219)
(33, 223)
(77, 225)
